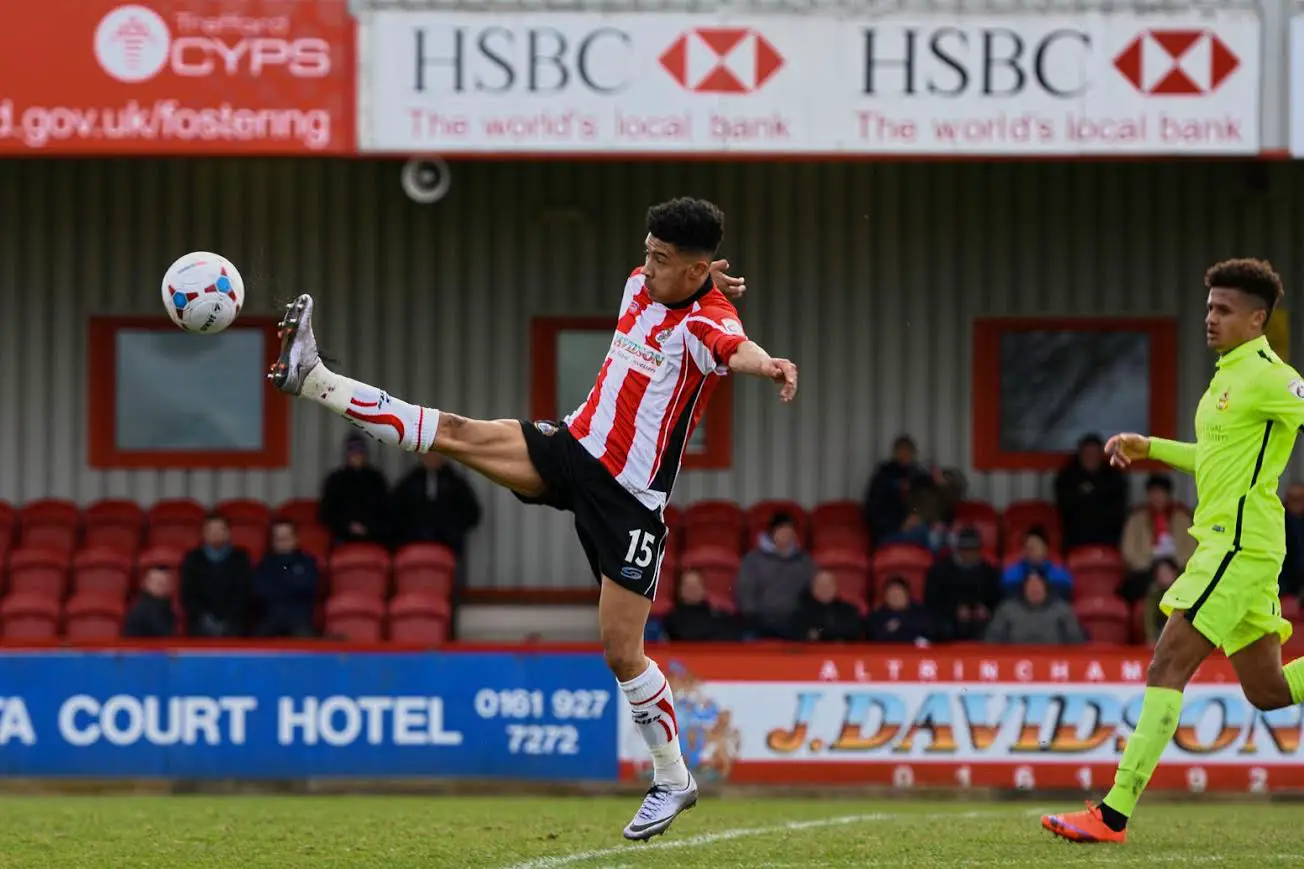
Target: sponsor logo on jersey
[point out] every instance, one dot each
(546, 428)
(636, 354)
(732, 326)
(631, 573)
(1223, 400)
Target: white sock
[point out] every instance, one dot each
(387, 419)
(653, 706)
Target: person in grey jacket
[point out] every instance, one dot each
(772, 579)
(1035, 617)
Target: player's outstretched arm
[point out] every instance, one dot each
(751, 358)
(1124, 449)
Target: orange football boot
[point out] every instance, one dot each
(1085, 828)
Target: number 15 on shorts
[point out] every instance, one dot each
(642, 549)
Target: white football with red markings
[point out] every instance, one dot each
(203, 292)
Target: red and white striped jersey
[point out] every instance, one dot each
(662, 366)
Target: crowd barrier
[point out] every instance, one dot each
(963, 717)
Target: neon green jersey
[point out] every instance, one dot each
(1245, 429)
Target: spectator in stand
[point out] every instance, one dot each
(285, 586)
(772, 579)
(216, 584)
(1092, 497)
(1292, 569)
(899, 619)
(888, 500)
(823, 617)
(1165, 574)
(435, 504)
(1155, 531)
(694, 620)
(1035, 617)
(152, 615)
(962, 590)
(355, 497)
(1036, 557)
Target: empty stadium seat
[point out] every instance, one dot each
(113, 523)
(852, 570)
(8, 522)
(175, 522)
(419, 617)
(360, 568)
(49, 523)
(102, 571)
(1020, 517)
(1097, 571)
(249, 521)
(713, 524)
(1290, 609)
(29, 617)
(300, 511)
(42, 572)
(838, 525)
(718, 566)
(424, 567)
(760, 514)
(905, 560)
(315, 540)
(1105, 619)
(93, 617)
(983, 518)
(354, 617)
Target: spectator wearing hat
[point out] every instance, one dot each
(1156, 531)
(962, 590)
(772, 578)
(1091, 496)
(1037, 557)
(354, 497)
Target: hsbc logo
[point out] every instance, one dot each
(722, 60)
(1176, 62)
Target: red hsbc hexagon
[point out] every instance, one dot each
(1176, 62)
(721, 60)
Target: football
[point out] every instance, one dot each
(203, 292)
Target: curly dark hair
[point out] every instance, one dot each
(1254, 277)
(691, 225)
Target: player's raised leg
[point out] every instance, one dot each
(494, 448)
(622, 616)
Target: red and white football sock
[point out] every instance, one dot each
(380, 415)
(653, 707)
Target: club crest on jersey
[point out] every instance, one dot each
(1223, 400)
(733, 327)
(664, 335)
(1296, 388)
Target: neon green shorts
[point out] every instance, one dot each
(1230, 597)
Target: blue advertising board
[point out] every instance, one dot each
(302, 714)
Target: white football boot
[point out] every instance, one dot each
(298, 347)
(660, 808)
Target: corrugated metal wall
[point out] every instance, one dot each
(867, 274)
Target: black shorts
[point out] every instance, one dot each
(623, 539)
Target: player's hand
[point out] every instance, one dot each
(784, 373)
(1124, 449)
(730, 286)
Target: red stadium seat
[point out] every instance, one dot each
(760, 514)
(93, 617)
(1022, 516)
(249, 521)
(316, 541)
(29, 617)
(360, 569)
(103, 572)
(983, 518)
(718, 566)
(1097, 571)
(666, 589)
(42, 572)
(175, 522)
(419, 617)
(1105, 619)
(158, 556)
(851, 568)
(838, 525)
(354, 617)
(113, 523)
(713, 524)
(1290, 610)
(50, 523)
(424, 567)
(8, 522)
(904, 560)
(300, 511)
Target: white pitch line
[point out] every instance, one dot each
(738, 833)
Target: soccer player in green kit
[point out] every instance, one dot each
(1245, 427)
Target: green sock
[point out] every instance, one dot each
(1160, 711)
(1295, 679)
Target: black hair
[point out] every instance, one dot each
(1039, 532)
(280, 521)
(903, 441)
(1091, 440)
(691, 225)
(216, 517)
(780, 519)
(1159, 481)
(1254, 277)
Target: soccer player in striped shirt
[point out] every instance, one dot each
(1245, 428)
(612, 462)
